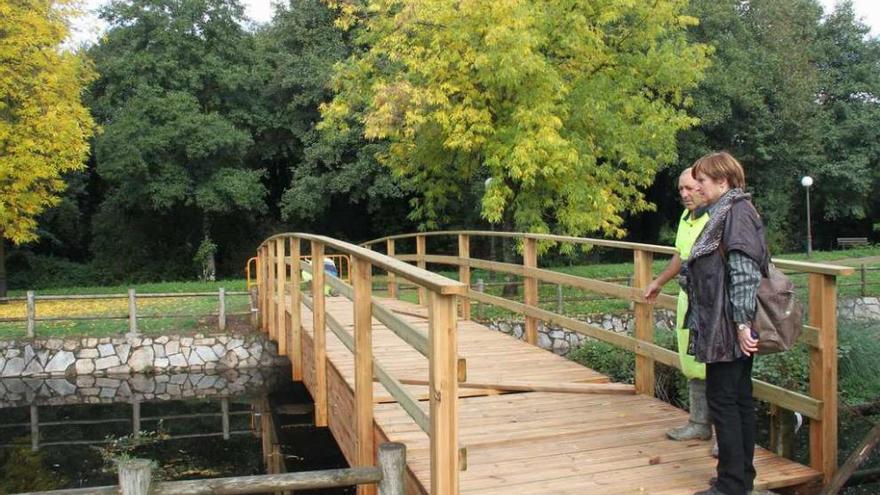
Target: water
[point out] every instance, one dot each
(59, 433)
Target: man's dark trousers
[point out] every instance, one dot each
(729, 394)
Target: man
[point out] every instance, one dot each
(689, 227)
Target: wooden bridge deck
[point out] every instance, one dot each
(533, 442)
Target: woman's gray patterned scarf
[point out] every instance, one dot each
(710, 238)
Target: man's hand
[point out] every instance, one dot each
(651, 291)
(747, 344)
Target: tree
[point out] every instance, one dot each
(44, 127)
(570, 106)
(176, 96)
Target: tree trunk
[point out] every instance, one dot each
(2, 265)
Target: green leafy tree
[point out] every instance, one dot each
(176, 96)
(570, 107)
(44, 127)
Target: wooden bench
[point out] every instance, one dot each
(846, 242)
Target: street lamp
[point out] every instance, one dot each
(807, 181)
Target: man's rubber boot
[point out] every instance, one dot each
(698, 426)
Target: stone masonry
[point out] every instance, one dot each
(135, 354)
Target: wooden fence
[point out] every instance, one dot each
(278, 267)
(31, 319)
(820, 334)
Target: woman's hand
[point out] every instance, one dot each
(747, 344)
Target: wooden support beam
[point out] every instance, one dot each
(272, 307)
(644, 322)
(420, 252)
(280, 312)
(295, 351)
(464, 273)
(392, 277)
(320, 334)
(443, 390)
(530, 287)
(823, 373)
(361, 281)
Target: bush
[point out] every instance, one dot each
(33, 272)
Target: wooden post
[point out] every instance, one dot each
(221, 317)
(443, 390)
(134, 476)
(261, 289)
(420, 251)
(132, 312)
(281, 309)
(782, 426)
(864, 277)
(644, 324)
(255, 307)
(392, 462)
(31, 313)
(392, 278)
(135, 417)
(823, 373)
(530, 287)
(481, 287)
(35, 428)
(464, 273)
(224, 412)
(295, 325)
(560, 301)
(361, 281)
(320, 334)
(271, 306)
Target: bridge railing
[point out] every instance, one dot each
(820, 334)
(278, 267)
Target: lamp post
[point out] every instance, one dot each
(807, 181)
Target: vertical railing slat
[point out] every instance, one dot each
(283, 329)
(361, 280)
(272, 303)
(320, 335)
(420, 252)
(464, 273)
(823, 373)
(443, 389)
(530, 288)
(644, 322)
(392, 277)
(295, 351)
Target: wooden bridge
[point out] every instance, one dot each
(484, 413)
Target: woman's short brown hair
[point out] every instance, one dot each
(721, 165)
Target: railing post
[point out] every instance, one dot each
(864, 278)
(221, 316)
(420, 252)
(261, 288)
(31, 313)
(392, 277)
(283, 331)
(392, 462)
(560, 302)
(320, 334)
(134, 476)
(644, 324)
(464, 273)
(295, 325)
(224, 418)
(481, 288)
(823, 373)
(272, 304)
(132, 312)
(254, 305)
(135, 416)
(443, 390)
(530, 287)
(35, 427)
(361, 281)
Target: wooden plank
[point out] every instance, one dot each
(392, 278)
(644, 322)
(464, 273)
(420, 252)
(281, 281)
(319, 335)
(361, 279)
(295, 348)
(443, 385)
(823, 374)
(574, 388)
(530, 288)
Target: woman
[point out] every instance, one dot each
(721, 277)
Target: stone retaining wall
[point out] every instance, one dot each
(859, 308)
(135, 354)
